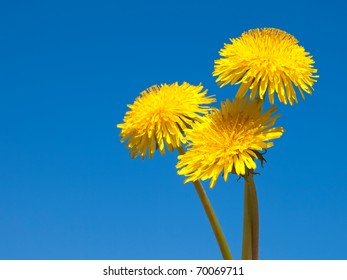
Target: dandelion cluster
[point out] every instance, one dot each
(265, 62)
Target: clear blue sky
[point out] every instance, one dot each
(68, 188)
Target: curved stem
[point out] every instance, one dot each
(250, 243)
(218, 232)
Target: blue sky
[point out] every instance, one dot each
(68, 188)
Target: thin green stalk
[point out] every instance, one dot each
(250, 243)
(218, 232)
(247, 229)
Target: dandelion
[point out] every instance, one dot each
(159, 117)
(266, 60)
(228, 139)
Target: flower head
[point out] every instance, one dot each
(269, 60)
(160, 115)
(230, 139)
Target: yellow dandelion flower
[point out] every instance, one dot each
(230, 139)
(269, 60)
(160, 115)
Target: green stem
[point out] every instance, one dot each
(218, 232)
(250, 243)
(247, 229)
